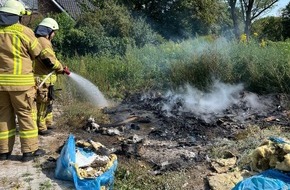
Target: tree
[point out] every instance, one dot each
(286, 21)
(269, 28)
(250, 10)
(178, 19)
(233, 10)
(109, 29)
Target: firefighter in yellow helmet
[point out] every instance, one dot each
(17, 87)
(46, 68)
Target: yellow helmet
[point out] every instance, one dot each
(14, 7)
(50, 23)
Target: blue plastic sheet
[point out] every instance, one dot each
(267, 180)
(65, 170)
(270, 179)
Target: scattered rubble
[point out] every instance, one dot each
(172, 139)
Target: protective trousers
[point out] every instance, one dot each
(44, 107)
(22, 104)
(49, 115)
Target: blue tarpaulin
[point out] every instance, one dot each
(65, 170)
(271, 179)
(267, 180)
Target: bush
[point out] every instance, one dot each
(263, 70)
(197, 62)
(143, 34)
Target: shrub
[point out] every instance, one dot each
(197, 62)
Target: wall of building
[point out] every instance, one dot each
(44, 7)
(47, 6)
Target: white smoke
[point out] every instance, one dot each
(252, 101)
(217, 99)
(220, 97)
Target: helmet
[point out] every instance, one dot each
(50, 23)
(14, 7)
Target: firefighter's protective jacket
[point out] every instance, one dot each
(47, 62)
(18, 47)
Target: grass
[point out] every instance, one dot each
(75, 115)
(27, 174)
(135, 174)
(46, 185)
(29, 179)
(4, 181)
(196, 61)
(14, 183)
(246, 141)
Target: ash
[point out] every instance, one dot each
(172, 131)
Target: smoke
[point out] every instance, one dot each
(220, 97)
(253, 101)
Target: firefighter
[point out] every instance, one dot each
(17, 87)
(46, 68)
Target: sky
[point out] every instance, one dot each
(276, 11)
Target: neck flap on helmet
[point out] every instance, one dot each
(42, 31)
(7, 19)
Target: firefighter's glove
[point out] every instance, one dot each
(66, 70)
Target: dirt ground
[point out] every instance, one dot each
(140, 128)
(37, 174)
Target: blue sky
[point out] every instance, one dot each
(276, 11)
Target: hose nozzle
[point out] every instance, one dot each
(66, 70)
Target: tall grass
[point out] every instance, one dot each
(197, 62)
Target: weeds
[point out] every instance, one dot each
(29, 179)
(246, 142)
(194, 61)
(45, 185)
(4, 181)
(26, 174)
(136, 175)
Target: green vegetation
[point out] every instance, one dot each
(245, 142)
(126, 47)
(46, 185)
(197, 62)
(133, 174)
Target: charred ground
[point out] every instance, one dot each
(177, 139)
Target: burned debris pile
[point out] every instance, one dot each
(172, 133)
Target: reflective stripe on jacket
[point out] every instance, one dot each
(41, 69)
(51, 80)
(18, 47)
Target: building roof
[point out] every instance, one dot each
(31, 4)
(73, 7)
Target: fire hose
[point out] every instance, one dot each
(65, 70)
(43, 81)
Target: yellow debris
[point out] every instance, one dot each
(271, 155)
(96, 168)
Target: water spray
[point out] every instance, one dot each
(91, 91)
